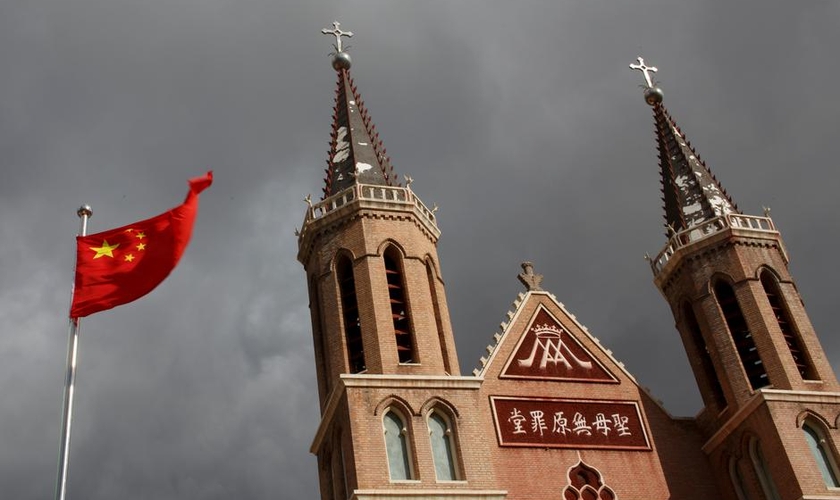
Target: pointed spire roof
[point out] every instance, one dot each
(691, 194)
(356, 154)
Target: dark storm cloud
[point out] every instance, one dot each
(521, 121)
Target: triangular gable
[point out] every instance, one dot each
(546, 350)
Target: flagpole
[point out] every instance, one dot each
(84, 214)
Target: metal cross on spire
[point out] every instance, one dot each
(337, 33)
(646, 71)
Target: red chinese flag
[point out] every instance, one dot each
(121, 265)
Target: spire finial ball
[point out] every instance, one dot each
(653, 95)
(341, 60)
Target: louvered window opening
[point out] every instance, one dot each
(741, 335)
(705, 358)
(350, 310)
(774, 296)
(399, 308)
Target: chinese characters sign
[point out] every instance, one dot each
(548, 351)
(569, 423)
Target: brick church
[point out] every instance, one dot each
(551, 414)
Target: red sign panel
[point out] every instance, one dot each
(569, 423)
(548, 351)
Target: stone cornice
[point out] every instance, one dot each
(361, 200)
(412, 381)
(760, 397)
(348, 380)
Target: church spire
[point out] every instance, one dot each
(356, 154)
(691, 194)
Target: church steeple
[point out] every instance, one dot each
(356, 153)
(691, 194)
(376, 296)
(369, 249)
(744, 326)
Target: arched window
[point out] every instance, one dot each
(822, 454)
(741, 335)
(350, 311)
(396, 446)
(443, 447)
(430, 275)
(794, 343)
(399, 305)
(763, 471)
(585, 483)
(705, 359)
(339, 469)
(737, 479)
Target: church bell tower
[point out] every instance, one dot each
(768, 390)
(377, 300)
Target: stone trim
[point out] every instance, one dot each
(765, 395)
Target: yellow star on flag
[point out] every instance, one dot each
(141, 246)
(129, 258)
(140, 235)
(105, 249)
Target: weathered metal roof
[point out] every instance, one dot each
(356, 154)
(691, 194)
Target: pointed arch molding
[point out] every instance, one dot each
(440, 404)
(813, 416)
(394, 401)
(548, 351)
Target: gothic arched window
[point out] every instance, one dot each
(823, 454)
(763, 471)
(794, 343)
(350, 311)
(443, 447)
(396, 446)
(737, 479)
(399, 305)
(741, 335)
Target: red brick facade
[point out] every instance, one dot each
(551, 414)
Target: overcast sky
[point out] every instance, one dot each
(521, 120)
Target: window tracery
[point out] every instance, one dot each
(443, 447)
(396, 446)
(823, 454)
(585, 483)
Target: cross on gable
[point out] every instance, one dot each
(529, 279)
